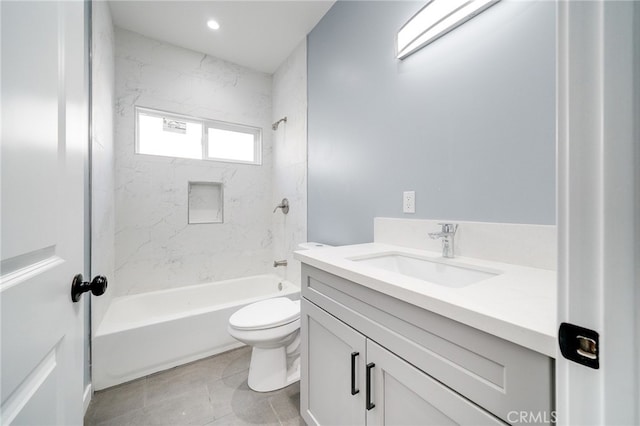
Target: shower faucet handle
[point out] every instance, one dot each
(284, 205)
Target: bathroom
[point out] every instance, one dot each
(365, 163)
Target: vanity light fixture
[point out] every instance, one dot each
(213, 24)
(435, 19)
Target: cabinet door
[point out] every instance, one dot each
(326, 394)
(403, 395)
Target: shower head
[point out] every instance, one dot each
(275, 125)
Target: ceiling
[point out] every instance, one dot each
(256, 34)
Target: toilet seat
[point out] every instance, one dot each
(266, 314)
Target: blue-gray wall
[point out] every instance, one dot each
(468, 122)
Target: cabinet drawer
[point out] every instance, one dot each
(496, 374)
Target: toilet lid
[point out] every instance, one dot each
(266, 314)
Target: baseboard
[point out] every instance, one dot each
(86, 398)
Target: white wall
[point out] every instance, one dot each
(290, 158)
(103, 178)
(155, 247)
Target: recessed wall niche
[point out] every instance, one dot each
(205, 202)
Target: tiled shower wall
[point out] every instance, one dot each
(155, 247)
(290, 158)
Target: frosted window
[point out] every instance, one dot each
(169, 136)
(230, 145)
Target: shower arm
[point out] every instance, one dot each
(275, 125)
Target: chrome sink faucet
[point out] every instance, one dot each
(447, 234)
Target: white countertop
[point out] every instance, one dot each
(519, 305)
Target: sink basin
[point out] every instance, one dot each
(427, 269)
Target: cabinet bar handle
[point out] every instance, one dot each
(353, 373)
(370, 405)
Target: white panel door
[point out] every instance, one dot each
(44, 144)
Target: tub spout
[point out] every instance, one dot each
(277, 263)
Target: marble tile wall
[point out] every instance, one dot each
(155, 246)
(103, 172)
(290, 159)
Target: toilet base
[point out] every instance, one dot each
(268, 370)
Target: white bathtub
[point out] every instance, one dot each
(150, 332)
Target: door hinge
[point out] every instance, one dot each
(579, 344)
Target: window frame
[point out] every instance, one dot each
(204, 137)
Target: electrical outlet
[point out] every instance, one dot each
(409, 202)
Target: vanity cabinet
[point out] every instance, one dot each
(371, 359)
(351, 380)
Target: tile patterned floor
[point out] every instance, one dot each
(212, 391)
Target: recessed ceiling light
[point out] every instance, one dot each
(213, 24)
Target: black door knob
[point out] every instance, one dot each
(98, 286)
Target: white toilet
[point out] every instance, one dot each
(272, 327)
